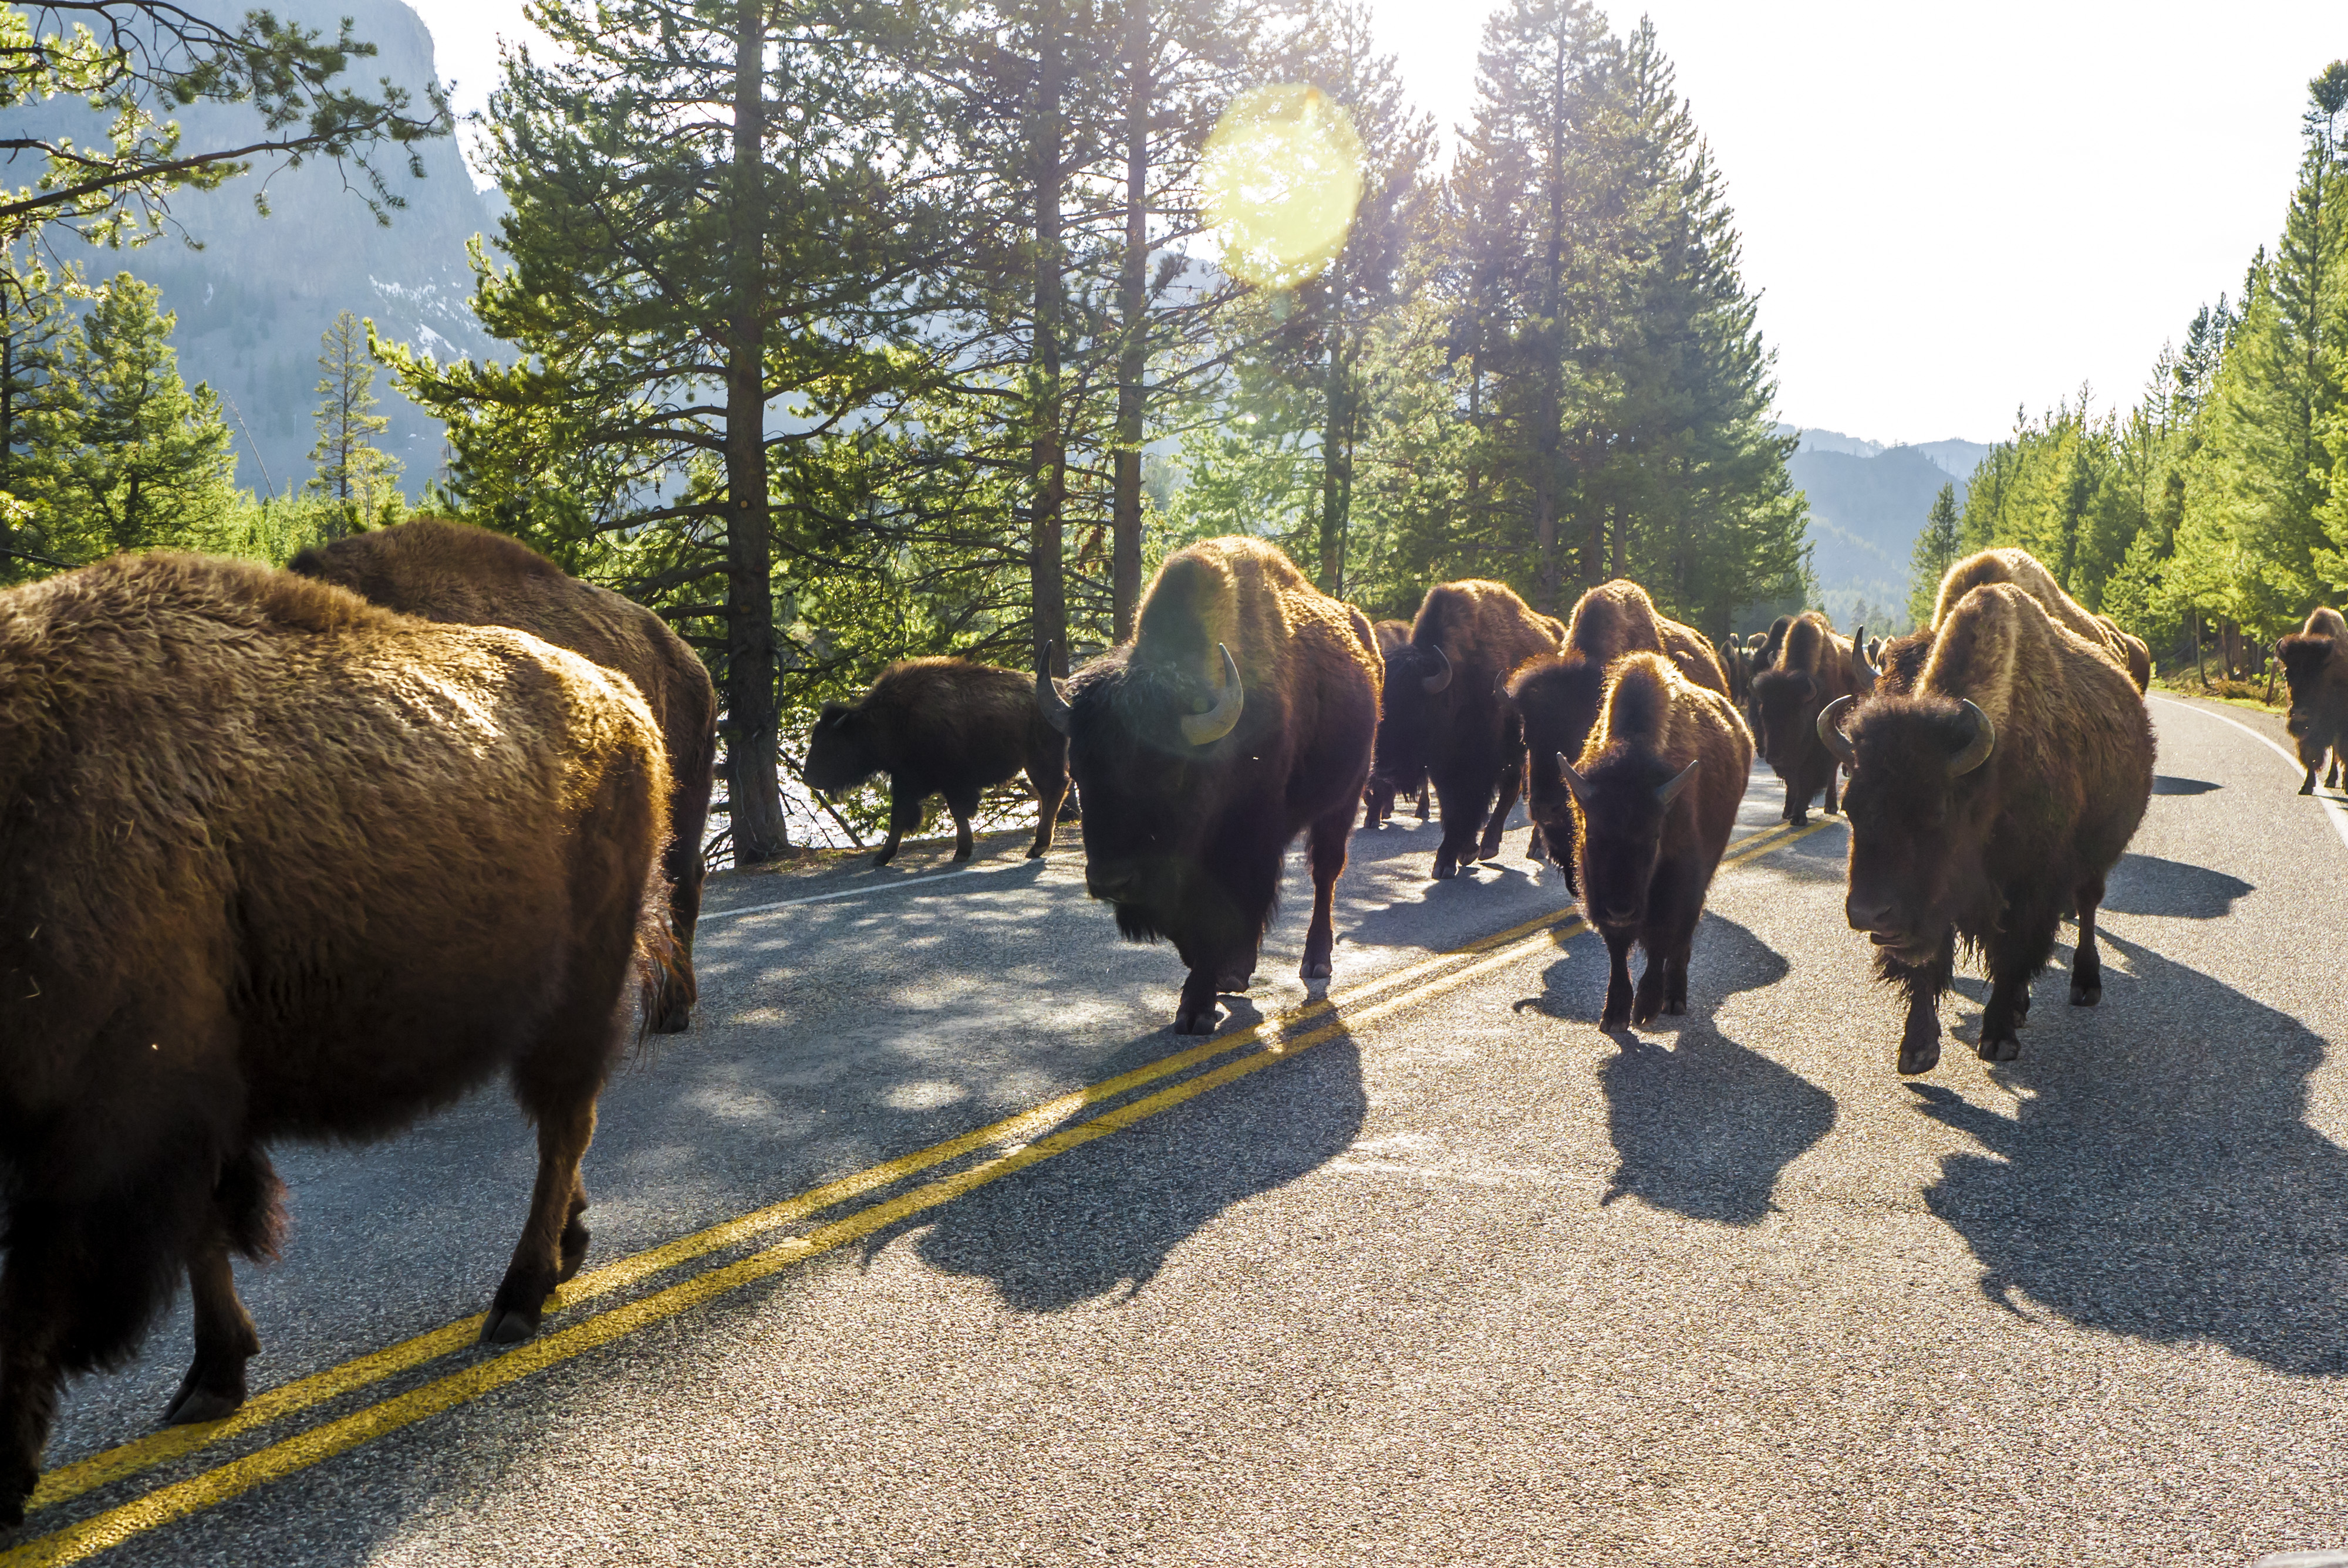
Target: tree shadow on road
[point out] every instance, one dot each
(2161, 1182)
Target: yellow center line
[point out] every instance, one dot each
(95, 1534)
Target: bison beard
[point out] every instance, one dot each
(277, 863)
(1985, 806)
(1658, 786)
(941, 726)
(464, 575)
(1241, 714)
(2315, 667)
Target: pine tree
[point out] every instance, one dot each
(38, 398)
(1936, 549)
(357, 475)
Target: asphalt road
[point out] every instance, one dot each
(1443, 1276)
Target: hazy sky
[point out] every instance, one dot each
(1949, 211)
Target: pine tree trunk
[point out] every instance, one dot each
(1049, 460)
(1133, 360)
(1336, 455)
(753, 791)
(1545, 439)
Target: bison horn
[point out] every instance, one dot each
(1830, 733)
(1573, 780)
(1863, 672)
(1976, 750)
(1050, 697)
(1205, 729)
(1668, 792)
(1441, 678)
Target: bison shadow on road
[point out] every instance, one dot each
(1704, 1126)
(2167, 784)
(2147, 885)
(2161, 1182)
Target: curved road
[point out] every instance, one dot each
(1441, 1275)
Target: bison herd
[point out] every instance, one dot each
(310, 853)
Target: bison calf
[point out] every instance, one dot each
(2315, 667)
(277, 863)
(1658, 786)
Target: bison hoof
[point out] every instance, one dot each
(2307, 788)
(1316, 969)
(196, 1406)
(1233, 982)
(2085, 995)
(1446, 868)
(13, 1493)
(508, 1325)
(1799, 819)
(1916, 1059)
(1036, 852)
(1202, 1021)
(2000, 1048)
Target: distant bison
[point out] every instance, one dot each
(2315, 664)
(277, 863)
(1558, 696)
(1658, 786)
(449, 572)
(1995, 797)
(941, 726)
(2023, 570)
(1813, 669)
(1242, 712)
(1444, 713)
(1379, 797)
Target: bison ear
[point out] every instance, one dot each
(1975, 751)
(1669, 793)
(1573, 781)
(1051, 697)
(1831, 731)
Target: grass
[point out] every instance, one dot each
(2189, 682)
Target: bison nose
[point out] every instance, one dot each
(1113, 885)
(1868, 914)
(1620, 914)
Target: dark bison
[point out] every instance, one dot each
(1813, 669)
(1986, 803)
(277, 863)
(941, 726)
(2315, 665)
(1558, 697)
(1738, 664)
(1241, 713)
(1658, 786)
(1446, 714)
(2023, 570)
(1379, 797)
(449, 572)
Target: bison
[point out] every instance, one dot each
(449, 572)
(1242, 712)
(1446, 715)
(1379, 797)
(1657, 786)
(1985, 803)
(2023, 570)
(1814, 667)
(941, 726)
(1559, 697)
(2315, 667)
(278, 862)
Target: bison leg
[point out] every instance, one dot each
(1512, 780)
(1198, 1012)
(1618, 979)
(33, 1310)
(904, 816)
(2086, 964)
(1324, 852)
(1051, 786)
(1648, 1000)
(554, 1238)
(1463, 818)
(2331, 779)
(1925, 984)
(674, 989)
(225, 1341)
(1798, 801)
(1422, 799)
(1536, 846)
(963, 804)
(1834, 804)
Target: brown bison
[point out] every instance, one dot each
(277, 863)
(445, 572)
(1444, 713)
(941, 726)
(1813, 669)
(2315, 666)
(2023, 570)
(1985, 803)
(1379, 797)
(1241, 713)
(1558, 697)
(1658, 786)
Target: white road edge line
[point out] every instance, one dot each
(2332, 809)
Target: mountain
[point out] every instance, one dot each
(1867, 502)
(252, 301)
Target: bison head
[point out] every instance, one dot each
(2306, 662)
(1151, 746)
(1416, 677)
(844, 749)
(1917, 815)
(1625, 798)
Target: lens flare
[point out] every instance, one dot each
(1283, 174)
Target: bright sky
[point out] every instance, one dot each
(1949, 211)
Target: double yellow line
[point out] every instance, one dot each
(1019, 1141)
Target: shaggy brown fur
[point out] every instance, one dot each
(1994, 853)
(277, 863)
(941, 726)
(1813, 669)
(1378, 798)
(450, 573)
(1465, 736)
(2315, 665)
(2023, 570)
(1650, 832)
(1185, 838)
